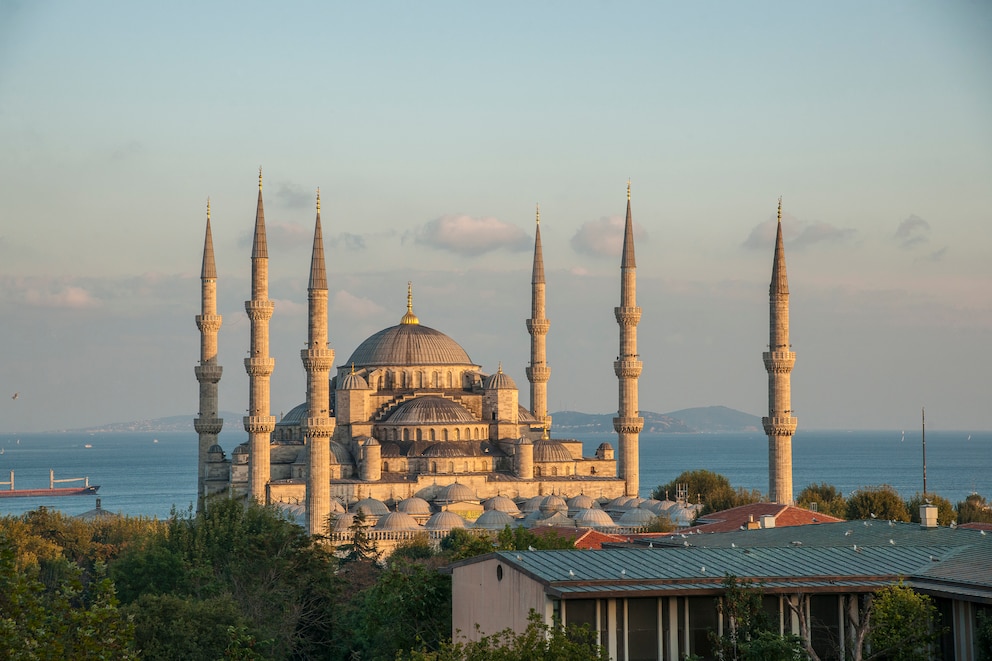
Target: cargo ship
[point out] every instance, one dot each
(86, 490)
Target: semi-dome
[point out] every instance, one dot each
(340, 454)
(409, 344)
(430, 411)
(443, 451)
(549, 450)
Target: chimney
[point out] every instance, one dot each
(928, 515)
(767, 520)
(751, 523)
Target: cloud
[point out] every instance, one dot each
(350, 242)
(64, 297)
(912, 231)
(798, 234)
(604, 237)
(470, 236)
(290, 308)
(295, 196)
(354, 307)
(280, 236)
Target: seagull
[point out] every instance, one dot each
(623, 572)
(702, 569)
(891, 523)
(872, 514)
(571, 573)
(15, 395)
(848, 533)
(954, 524)
(651, 544)
(531, 548)
(982, 533)
(685, 544)
(855, 547)
(797, 543)
(934, 559)
(732, 545)
(520, 557)
(892, 541)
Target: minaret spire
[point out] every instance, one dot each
(318, 359)
(628, 423)
(259, 423)
(538, 372)
(780, 425)
(208, 372)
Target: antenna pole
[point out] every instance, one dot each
(924, 413)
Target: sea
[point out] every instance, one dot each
(152, 474)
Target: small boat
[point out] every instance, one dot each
(88, 445)
(154, 440)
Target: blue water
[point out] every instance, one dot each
(140, 477)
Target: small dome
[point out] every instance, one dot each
(337, 507)
(430, 410)
(369, 442)
(503, 504)
(523, 440)
(532, 504)
(494, 520)
(215, 448)
(397, 521)
(241, 449)
(294, 512)
(581, 502)
(295, 416)
(371, 507)
(663, 506)
(594, 518)
(637, 518)
(604, 447)
(414, 505)
(456, 493)
(390, 450)
(353, 381)
(444, 521)
(548, 450)
(499, 381)
(553, 503)
(342, 522)
(559, 519)
(618, 504)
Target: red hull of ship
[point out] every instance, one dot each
(60, 491)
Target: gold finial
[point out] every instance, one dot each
(538, 213)
(780, 209)
(208, 207)
(628, 189)
(259, 177)
(547, 434)
(318, 199)
(409, 317)
(499, 370)
(353, 368)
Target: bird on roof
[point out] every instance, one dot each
(892, 541)
(686, 544)
(520, 557)
(702, 569)
(982, 533)
(623, 572)
(847, 533)
(872, 515)
(891, 523)
(856, 548)
(531, 548)
(954, 524)
(732, 545)
(571, 573)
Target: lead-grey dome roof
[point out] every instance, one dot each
(409, 344)
(430, 411)
(548, 450)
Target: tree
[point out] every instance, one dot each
(460, 544)
(983, 635)
(827, 498)
(877, 502)
(974, 508)
(538, 642)
(946, 513)
(360, 547)
(713, 490)
(904, 625)
(748, 631)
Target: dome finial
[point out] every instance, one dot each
(547, 434)
(780, 209)
(409, 317)
(259, 178)
(353, 368)
(499, 370)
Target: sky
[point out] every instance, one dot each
(434, 129)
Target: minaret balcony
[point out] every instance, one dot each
(780, 426)
(209, 372)
(538, 373)
(208, 425)
(628, 368)
(538, 326)
(317, 360)
(317, 426)
(208, 323)
(628, 425)
(259, 424)
(260, 366)
(259, 310)
(628, 316)
(779, 361)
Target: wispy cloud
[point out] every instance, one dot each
(603, 237)
(350, 242)
(280, 236)
(912, 231)
(470, 236)
(799, 234)
(295, 196)
(349, 306)
(71, 297)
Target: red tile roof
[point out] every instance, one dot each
(737, 517)
(582, 538)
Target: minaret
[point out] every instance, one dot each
(208, 372)
(779, 425)
(258, 423)
(538, 373)
(628, 365)
(317, 361)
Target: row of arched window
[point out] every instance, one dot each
(475, 433)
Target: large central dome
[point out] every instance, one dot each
(409, 344)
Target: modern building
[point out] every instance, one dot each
(659, 600)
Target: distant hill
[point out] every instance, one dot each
(706, 419)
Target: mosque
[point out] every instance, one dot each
(410, 421)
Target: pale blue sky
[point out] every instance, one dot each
(433, 129)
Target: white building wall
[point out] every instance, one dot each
(507, 602)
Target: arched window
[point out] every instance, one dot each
(444, 434)
(458, 434)
(451, 467)
(537, 471)
(385, 466)
(433, 466)
(420, 434)
(448, 383)
(406, 434)
(475, 433)
(468, 434)
(434, 380)
(554, 470)
(432, 434)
